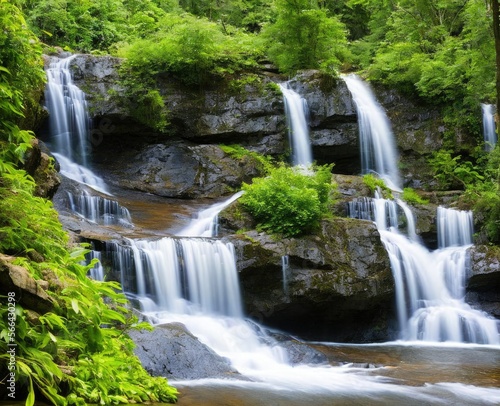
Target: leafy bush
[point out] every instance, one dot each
(452, 171)
(289, 201)
(411, 196)
(304, 36)
(191, 49)
(377, 184)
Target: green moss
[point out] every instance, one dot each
(411, 196)
(377, 184)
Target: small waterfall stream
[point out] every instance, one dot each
(296, 112)
(69, 126)
(377, 146)
(429, 285)
(489, 128)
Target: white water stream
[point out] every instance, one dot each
(296, 112)
(194, 281)
(489, 128)
(377, 146)
(69, 125)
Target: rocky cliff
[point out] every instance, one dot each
(337, 283)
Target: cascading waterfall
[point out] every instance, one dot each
(99, 209)
(97, 271)
(489, 130)
(206, 222)
(429, 285)
(181, 276)
(296, 111)
(377, 147)
(69, 122)
(285, 268)
(69, 125)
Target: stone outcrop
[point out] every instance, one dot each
(483, 284)
(173, 352)
(337, 283)
(251, 115)
(29, 293)
(38, 163)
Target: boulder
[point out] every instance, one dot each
(173, 352)
(29, 292)
(483, 283)
(39, 164)
(334, 285)
(182, 170)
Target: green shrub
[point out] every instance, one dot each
(264, 163)
(453, 171)
(193, 50)
(411, 196)
(289, 201)
(377, 184)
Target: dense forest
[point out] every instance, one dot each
(441, 52)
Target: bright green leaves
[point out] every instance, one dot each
(191, 49)
(21, 74)
(290, 201)
(304, 36)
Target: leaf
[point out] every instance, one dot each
(74, 305)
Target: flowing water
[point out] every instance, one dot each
(377, 146)
(194, 280)
(489, 130)
(99, 210)
(296, 111)
(206, 222)
(69, 125)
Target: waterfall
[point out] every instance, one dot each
(97, 271)
(489, 131)
(285, 267)
(99, 210)
(206, 222)
(182, 276)
(296, 111)
(455, 227)
(377, 147)
(430, 285)
(69, 124)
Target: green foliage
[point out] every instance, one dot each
(263, 163)
(304, 36)
(289, 201)
(78, 352)
(248, 14)
(21, 76)
(441, 50)
(411, 196)
(376, 184)
(193, 50)
(452, 171)
(484, 196)
(93, 25)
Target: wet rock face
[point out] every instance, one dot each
(252, 115)
(483, 284)
(173, 352)
(337, 285)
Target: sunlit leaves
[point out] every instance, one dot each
(289, 201)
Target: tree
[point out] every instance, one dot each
(304, 36)
(496, 33)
